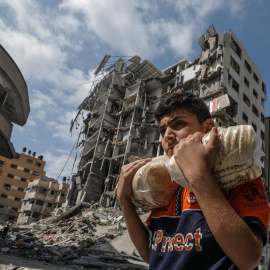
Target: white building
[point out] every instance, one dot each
(43, 196)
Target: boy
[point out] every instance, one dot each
(207, 228)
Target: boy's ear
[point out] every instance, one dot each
(208, 124)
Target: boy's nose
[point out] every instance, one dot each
(169, 135)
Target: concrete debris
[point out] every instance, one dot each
(91, 238)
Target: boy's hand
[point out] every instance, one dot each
(136, 228)
(194, 158)
(124, 189)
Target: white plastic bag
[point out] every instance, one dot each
(238, 158)
(152, 185)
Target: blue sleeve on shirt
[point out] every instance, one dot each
(257, 222)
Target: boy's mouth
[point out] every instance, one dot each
(170, 149)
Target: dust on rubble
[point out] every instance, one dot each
(83, 237)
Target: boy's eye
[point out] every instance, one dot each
(162, 131)
(179, 123)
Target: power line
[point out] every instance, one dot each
(66, 161)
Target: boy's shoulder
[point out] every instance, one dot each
(248, 200)
(248, 192)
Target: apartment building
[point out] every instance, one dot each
(118, 122)
(43, 196)
(14, 102)
(227, 79)
(15, 174)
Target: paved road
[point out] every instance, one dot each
(10, 262)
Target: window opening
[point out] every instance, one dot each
(255, 94)
(246, 81)
(255, 110)
(245, 118)
(254, 126)
(233, 83)
(246, 99)
(235, 65)
(248, 67)
(7, 186)
(255, 77)
(236, 48)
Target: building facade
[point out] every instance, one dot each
(267, 153)
(119, 124)
(43, 196)
(15, 174)
(14, 102)
(119, 127)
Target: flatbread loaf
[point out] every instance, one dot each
(152, 185)
(237, 160)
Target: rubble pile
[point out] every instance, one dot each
(81, 237)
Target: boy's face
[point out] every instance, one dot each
(178, 125)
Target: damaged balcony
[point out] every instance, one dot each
(32, 207)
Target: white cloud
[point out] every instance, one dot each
(68, 24)
(130, 27)
(34, 140)
(72, 92)
(36, 59)
(56, 162)
(29, 9)
(116, 23)
(31, 123)
(42, 22)
(199, 9)
(41, 100)
(42, 57)
(236, 7)
(148, 28)
(2, 24)
(60, 127)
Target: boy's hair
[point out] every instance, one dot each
(183, 100)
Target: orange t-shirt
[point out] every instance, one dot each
(181, 238)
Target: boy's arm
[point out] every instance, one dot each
(136, 228)
(241, 243)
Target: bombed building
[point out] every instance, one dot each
(43, 197)
(120, 126)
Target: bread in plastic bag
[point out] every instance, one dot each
(238, 158)
(152, 185)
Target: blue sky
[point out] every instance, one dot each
(59, 44)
